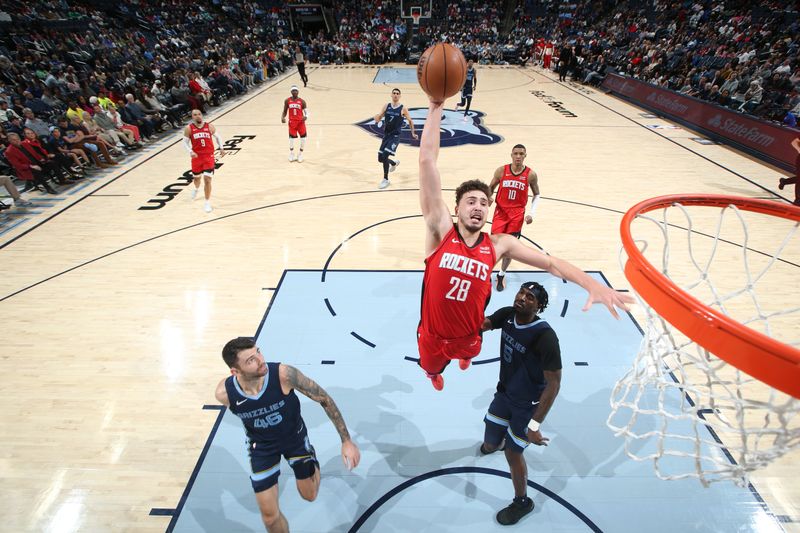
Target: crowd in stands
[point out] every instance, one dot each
(82, 82)
(729, 52)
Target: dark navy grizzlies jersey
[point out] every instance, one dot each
(270, 416)
(392, 120)
(526, 351)
(469, 82)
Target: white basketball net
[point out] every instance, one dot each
(691, 413)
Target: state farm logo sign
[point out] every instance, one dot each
(742, 131)
(667, 102)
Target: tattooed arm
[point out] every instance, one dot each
(291, 378)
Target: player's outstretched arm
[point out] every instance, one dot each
(508, 246)
(221, 394)
(434, 210)
(291, 378)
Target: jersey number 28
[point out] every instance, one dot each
(459, 289)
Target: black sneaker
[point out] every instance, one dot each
(501, 283)
(781, 183)
(514, 512)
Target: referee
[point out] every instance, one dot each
(300, 61)
(530, 376)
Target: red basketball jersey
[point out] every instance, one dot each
(457, 286)
(295, 106)
(513, 191)
(202, 143)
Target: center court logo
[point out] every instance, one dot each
(455, 130)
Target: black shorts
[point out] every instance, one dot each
(466, 93)
(265, 459)
(508, 420)
(389, 145)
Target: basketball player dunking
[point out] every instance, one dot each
(198, 139)
(393, 115)
(296, 108)
(459, 259)
(514, 181)
(470, 84)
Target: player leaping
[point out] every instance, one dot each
(458, 263)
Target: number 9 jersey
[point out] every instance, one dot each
(456, 289)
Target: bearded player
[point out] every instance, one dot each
(459, 259)
(514, 181)
(198, 139)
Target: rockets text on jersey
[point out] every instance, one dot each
(457, 285)
(295, 107)
(513, 190)
(202, 143)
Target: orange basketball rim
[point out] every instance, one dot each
(758, 355)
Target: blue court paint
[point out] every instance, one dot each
(396, 75)
(426, 441)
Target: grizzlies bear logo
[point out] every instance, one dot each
(456, 129)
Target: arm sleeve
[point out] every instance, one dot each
(217, 140)
(533, 204)
(549, 350)
(187, 143)
(501, 315)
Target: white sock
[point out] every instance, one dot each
(291, 144)
(501, 273)
(302, 142)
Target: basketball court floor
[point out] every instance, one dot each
(117, 296)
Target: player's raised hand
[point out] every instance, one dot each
(350, 454)
(609, 297)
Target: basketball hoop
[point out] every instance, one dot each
(416, 14)
(717, 351)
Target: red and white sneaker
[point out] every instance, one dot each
(437, 381)
(463, 364)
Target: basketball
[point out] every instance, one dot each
(442, 70)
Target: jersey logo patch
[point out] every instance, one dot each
(241, 402)
(455, 131)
